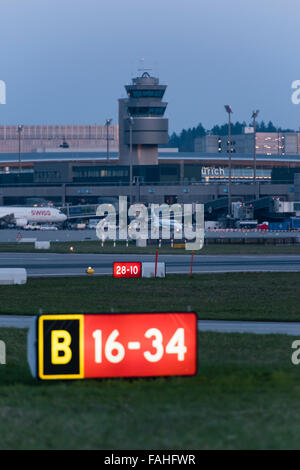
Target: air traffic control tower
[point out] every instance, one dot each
(142, 126)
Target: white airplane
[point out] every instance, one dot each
(22, 215)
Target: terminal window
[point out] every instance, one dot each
(48, 175)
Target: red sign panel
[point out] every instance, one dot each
(127, 269)
(140, 345)
(117, 345)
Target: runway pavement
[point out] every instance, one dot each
(11, 235)
(54, 264)
(219, 326)
(51, 264)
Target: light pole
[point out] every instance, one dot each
(229, 111)
(20, 129)
(254, 116)
(107, 123)
(130, 122)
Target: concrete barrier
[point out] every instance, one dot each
(27, 240)
(13, 276)
(41, 245)
(141, 242)
(148, 270)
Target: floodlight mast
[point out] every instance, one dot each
(107, 123)
(130, 122)
(229, 112)
(254, 116)
(20, 130)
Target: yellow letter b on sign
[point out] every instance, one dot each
(61, 352)
(60, 346)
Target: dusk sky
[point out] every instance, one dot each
(67, 61)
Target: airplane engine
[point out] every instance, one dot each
(21, 222)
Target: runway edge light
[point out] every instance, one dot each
(82, 346)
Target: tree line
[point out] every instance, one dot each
(185, 140)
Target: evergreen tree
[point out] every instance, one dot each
(174, 140)
(185, 141)
(261, 127)
(271, 127)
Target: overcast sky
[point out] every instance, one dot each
(66, 61)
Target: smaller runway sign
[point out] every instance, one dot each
(127, 269)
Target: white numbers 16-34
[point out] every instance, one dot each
(114, 351)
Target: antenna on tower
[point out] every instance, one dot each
(142, 66)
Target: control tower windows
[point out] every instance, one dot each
(146, 111)
(146, 93)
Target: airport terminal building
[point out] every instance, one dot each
(82, 164)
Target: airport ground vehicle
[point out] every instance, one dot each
(294, 223)
(76, 226)
(246, 224)
(48, 227)
(32, 226)
(92, 224)
(278, 226)
(263, 226)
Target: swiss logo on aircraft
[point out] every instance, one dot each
(42, 212)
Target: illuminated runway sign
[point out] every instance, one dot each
(130, 269)
(113, 345)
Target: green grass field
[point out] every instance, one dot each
(209, 249)
(236, 296)
(245, 396)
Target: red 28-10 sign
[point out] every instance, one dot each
(127, 269)
(116, 345)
